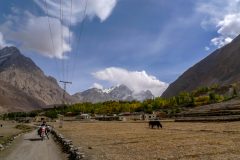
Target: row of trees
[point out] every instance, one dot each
(114, 107)
(15, 115)
(170, 106)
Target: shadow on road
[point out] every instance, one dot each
(33, 139)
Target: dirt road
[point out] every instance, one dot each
(31, 147)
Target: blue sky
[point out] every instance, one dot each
(145, 44)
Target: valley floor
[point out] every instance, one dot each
(128, 141)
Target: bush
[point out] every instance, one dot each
(51, 114)
(201, 100)
(24, 128)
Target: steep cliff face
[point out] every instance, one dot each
(23, 78)
(221, 67)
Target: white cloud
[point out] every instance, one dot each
(34, 35)
(225, 16)
(221, 41)
(100, 8)
(135, 80)
(32, 32)
(2, 41)
(206, 48)
(97, 85)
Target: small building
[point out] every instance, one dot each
(106, 117)
(127, 116)
(160, 114)
(150, 116)
(83, 116)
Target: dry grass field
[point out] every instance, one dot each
(7, 131)
(135, 141)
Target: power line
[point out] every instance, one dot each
(61, 37)
(69, 39)
(49, 25)
(79, 35)
(70, 24)
(51, 34)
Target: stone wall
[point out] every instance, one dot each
(67, 146)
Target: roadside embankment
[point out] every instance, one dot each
(67, 146)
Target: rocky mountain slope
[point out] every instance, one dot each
(222, 67)
(13, 99)
(23, 85)
(117, 93)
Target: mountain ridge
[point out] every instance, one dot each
(21, 76)
(117, 93)
(220, 67)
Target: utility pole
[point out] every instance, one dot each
(64, 99)
(64, 89)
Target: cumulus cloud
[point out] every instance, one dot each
(34, 35)
(225, 16)
(100, 8)
(135, 80)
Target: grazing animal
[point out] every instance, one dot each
(154, 123)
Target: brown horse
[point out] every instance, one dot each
(153, 123)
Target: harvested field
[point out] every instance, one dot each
(135, 141)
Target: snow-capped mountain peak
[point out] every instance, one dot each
(119, 92)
